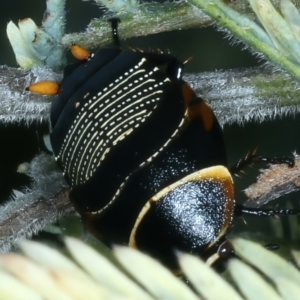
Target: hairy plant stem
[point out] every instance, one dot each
(152, 18)
(239, 95)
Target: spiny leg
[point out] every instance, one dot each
(269, 212)
(253, 158)
(250, 158)
(264, 212)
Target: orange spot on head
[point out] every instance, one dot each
(44, 88)
(79, 52)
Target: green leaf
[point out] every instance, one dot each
(205, 280)
(269, 263)
(159, 281)
(250, 283)
(103, 271)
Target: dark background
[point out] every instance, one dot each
(211, 51)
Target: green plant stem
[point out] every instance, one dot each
(239, 96)
(148, 19)
(235, 95)
(152, 19)
(247, 31)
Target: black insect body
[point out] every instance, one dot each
(131, 136)
(145, 156)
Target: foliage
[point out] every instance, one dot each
(50, 275)
(44, 273)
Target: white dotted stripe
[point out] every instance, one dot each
(78, 138)
(72, 129)
(179, 127)
(83, 156)
(75, 129)
(78, 123)
(117, 87)
(93, 163)
(167, 142)
(67, 167)
(127, 122)
(98, 151)
(92, 166)
(81, 164)
(118, 99)
(122, 136)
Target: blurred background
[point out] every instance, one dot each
(211, 52)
